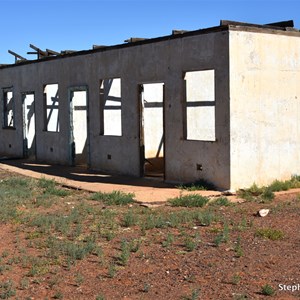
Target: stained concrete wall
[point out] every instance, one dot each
(164, 61)
(264, 107)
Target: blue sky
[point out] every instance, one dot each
(77, 24)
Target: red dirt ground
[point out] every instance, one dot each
(156, 272)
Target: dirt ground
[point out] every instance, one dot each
(164, 265)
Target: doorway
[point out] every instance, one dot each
(151, 97)
(79, 126)
(29, 137)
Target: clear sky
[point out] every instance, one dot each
(77, 24)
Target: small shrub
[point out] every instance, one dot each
(190, 243)
(112, 270)
(168, 241)
(194, 295)
(125, 253)
(236, 279)
(50, 189)
(58, 295)
(223, 237)
(134, 245)
(269, 233)
(221, 201)
(46, 183)
(267, 290)
(267, 195)
(113, 198)
(193, 200)
(7, 289)
(24, 284)
(153, 221)
(238, 248)
(129, 219)
(146, 287)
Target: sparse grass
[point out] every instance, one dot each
(222, 237)
(168, 241)
(191, 243)
(110, 236)
(113, 198)
(112, 270)
(220, 201)
(269, 233)
(7, 289)
(58, 295)
(238, 248)
(236, 278)
(267, 290)
(50, 188)
(266, 193)
(125, 253)
(192, 200)
(195, 294)
(199, 185)
(129, 219)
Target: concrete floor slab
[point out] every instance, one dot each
(146, 190)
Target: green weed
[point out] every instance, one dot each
(168, 241)
(7, 289)
(112, 270)
(267, 290)
(236, 278)
(269, 233)
(238, 248)
(190, 243)
(113, 198)
(195, 294)
(192, 200)
(125, 253)
(199, 185)
(129, 219)
(223, 237)
(220, 201)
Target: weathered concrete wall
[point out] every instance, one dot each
(165, 61)
(264, 107)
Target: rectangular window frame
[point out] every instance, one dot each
(102, 97)
(6, 110)
(199, 104)
(45, 109)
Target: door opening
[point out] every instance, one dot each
(152, 129)
(29, 125)
(79, 126)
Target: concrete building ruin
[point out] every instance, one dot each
(220, 104)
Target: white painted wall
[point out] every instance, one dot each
(264, 107)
